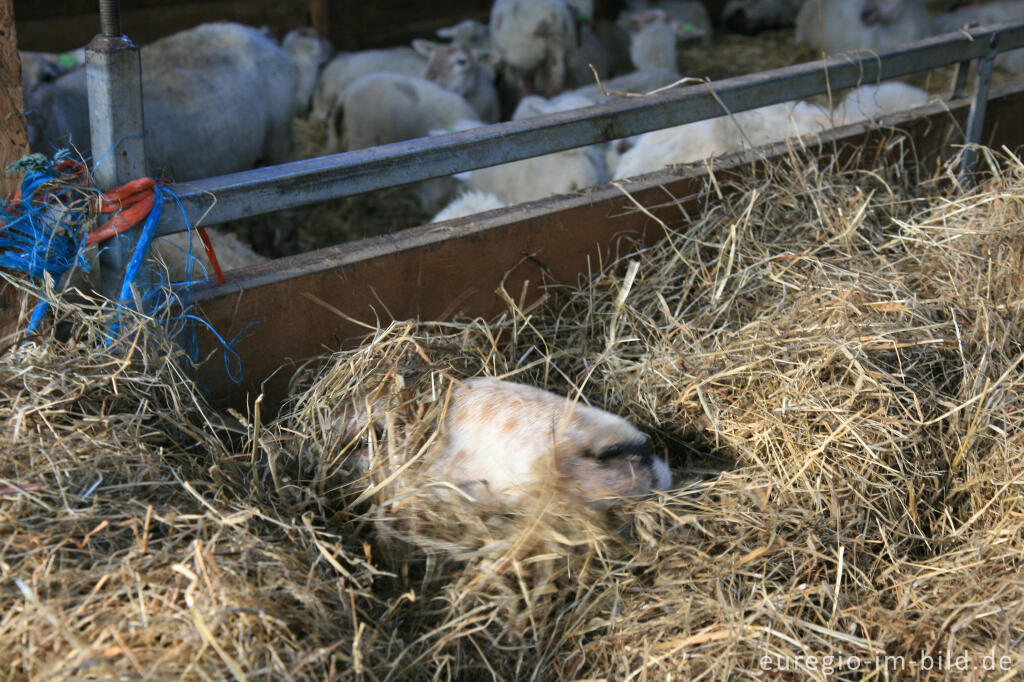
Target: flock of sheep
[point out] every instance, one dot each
(221, 98)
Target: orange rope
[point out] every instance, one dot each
(132, 202)
(211, 255)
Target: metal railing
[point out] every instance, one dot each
(273, 188)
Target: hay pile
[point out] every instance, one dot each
(831, 358)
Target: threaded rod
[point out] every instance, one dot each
(110, 18)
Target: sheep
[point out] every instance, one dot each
(511, 437)
(659, 148)
(173, 250)
(863, 24)
(868, 102)
(754, 16)
(381, 108)
(652, 35)
(471, 33)
(46, 67)
(217, 99)
(454, 68)
(532, 38)
(769, 124)
(589, 54)
(652, 40)
(500, 441)
(691, 16)
(468, 203)
(989, 13)
(348, 67)
(309, 51)
(542, 176)
(981, 14)
(699, 140)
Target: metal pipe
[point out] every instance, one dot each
(309, 181)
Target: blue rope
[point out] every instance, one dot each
(39, 236)
(142, 247)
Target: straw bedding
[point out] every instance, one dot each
(830, 357)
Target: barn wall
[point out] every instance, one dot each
(65, 25)
(350, 24)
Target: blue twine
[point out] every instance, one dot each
(39, 237)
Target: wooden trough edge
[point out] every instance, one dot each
(441, 271)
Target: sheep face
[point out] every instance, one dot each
(510, 438)
(450, 66)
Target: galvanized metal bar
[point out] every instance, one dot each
(114, 80)
(263, 190)
(976, 116)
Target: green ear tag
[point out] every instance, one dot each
(68, 61)
(687, 27)
(309, 46)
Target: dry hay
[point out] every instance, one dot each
(850, 340)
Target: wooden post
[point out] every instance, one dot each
(13, 145)
(13, 133)
(320, 17)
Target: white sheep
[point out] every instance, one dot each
(692, 17)
(455, 67)
(234, 110)
(875, 25)
(468, 203)
(868, 102)
(1008, 11)
(653, 151)
(173, 250)
(309, 51)
(769, 124)
(653, 35)
(381, 108)
(348, 67)
(542, 176)
(694, 142)
(652, 48)
(500, 441)
(471, 33)
(532, 38)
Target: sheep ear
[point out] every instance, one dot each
(448, 32)
(424, 47)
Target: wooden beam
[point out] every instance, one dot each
(13, 143)
(13, 131)
(320, 17)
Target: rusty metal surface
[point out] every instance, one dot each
(442, 270)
